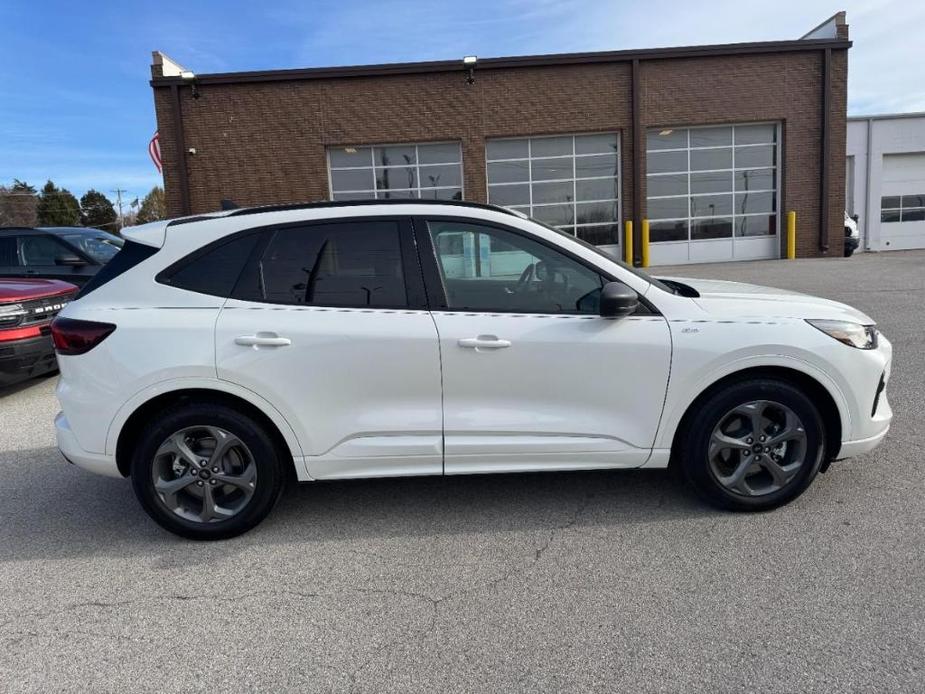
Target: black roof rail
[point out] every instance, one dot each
(361, 203)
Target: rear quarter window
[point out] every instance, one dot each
(213, 270)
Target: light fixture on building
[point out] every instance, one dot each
(190, 76)
(469, 63)
(665, 133)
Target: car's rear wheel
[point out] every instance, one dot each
(206, 472)
(753, 446)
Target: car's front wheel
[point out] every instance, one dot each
(753, 446)
(206, 472)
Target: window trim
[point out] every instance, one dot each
(417, 170)
(411, 270)
(528, 207)
(433, 280)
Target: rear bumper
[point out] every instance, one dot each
(24, 359)
(98, 463)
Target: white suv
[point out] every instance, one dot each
(217, 355)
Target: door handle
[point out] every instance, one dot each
(484, 342)
(262, 340)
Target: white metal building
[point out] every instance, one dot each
(885, 180)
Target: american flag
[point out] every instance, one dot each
(154, 150)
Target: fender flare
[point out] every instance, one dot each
(672, 417)
(199, 383)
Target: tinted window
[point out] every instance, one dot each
(354, 264)
(215, 271)
(41, 250)
(8, 257)
(488, 269)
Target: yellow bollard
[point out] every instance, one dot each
(645, 243)
(628, 243)
(791, 235)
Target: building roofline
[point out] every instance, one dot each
(555, 59)
(888, 116)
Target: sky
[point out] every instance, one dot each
(76, 106)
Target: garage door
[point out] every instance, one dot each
(902, 205)
(711, 193)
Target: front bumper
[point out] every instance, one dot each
(98, 463)
(21, 360)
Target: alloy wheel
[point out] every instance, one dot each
(757, 448)
(204, 474)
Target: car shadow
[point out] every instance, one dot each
(51, 509)
(14, 388)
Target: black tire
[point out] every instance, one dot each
(694, 443)
(849, 251)
(267, 486)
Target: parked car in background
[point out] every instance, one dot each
(71, 254)
(27, 307)
(852, 235)
(216, 355)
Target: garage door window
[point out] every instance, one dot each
(432, 171)
(902, 208)
(571, 182)
(712, 182)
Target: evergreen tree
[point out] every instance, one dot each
(97, 211)
(57, 207)
(153, 207)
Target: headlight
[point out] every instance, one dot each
(853, 334)
(11, 314)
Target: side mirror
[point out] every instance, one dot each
(70, 260)
(617, 300)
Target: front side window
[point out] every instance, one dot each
(429, 171)
(350, 264)
(42, 250)
(486, 268)
(571, 182)
(711, 183)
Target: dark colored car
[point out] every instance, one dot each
(71, 254)
(27, 307)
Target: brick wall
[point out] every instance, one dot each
(264, 142)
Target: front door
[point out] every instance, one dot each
(328, 323)
(533, 377)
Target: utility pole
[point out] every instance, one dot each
(118, 192)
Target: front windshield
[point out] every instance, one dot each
(99, 245)
(641, 274)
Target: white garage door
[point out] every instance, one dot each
(711, 193)
(902, 205)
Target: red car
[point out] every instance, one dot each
(27, 307)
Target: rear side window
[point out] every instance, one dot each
(213, 270)
(350, 264)
(127, 258)
(8, 255)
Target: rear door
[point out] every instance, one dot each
(328, 322)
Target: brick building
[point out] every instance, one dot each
(711, 144)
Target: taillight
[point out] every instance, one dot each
(73, 336)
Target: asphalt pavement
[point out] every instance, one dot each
(597, 581)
